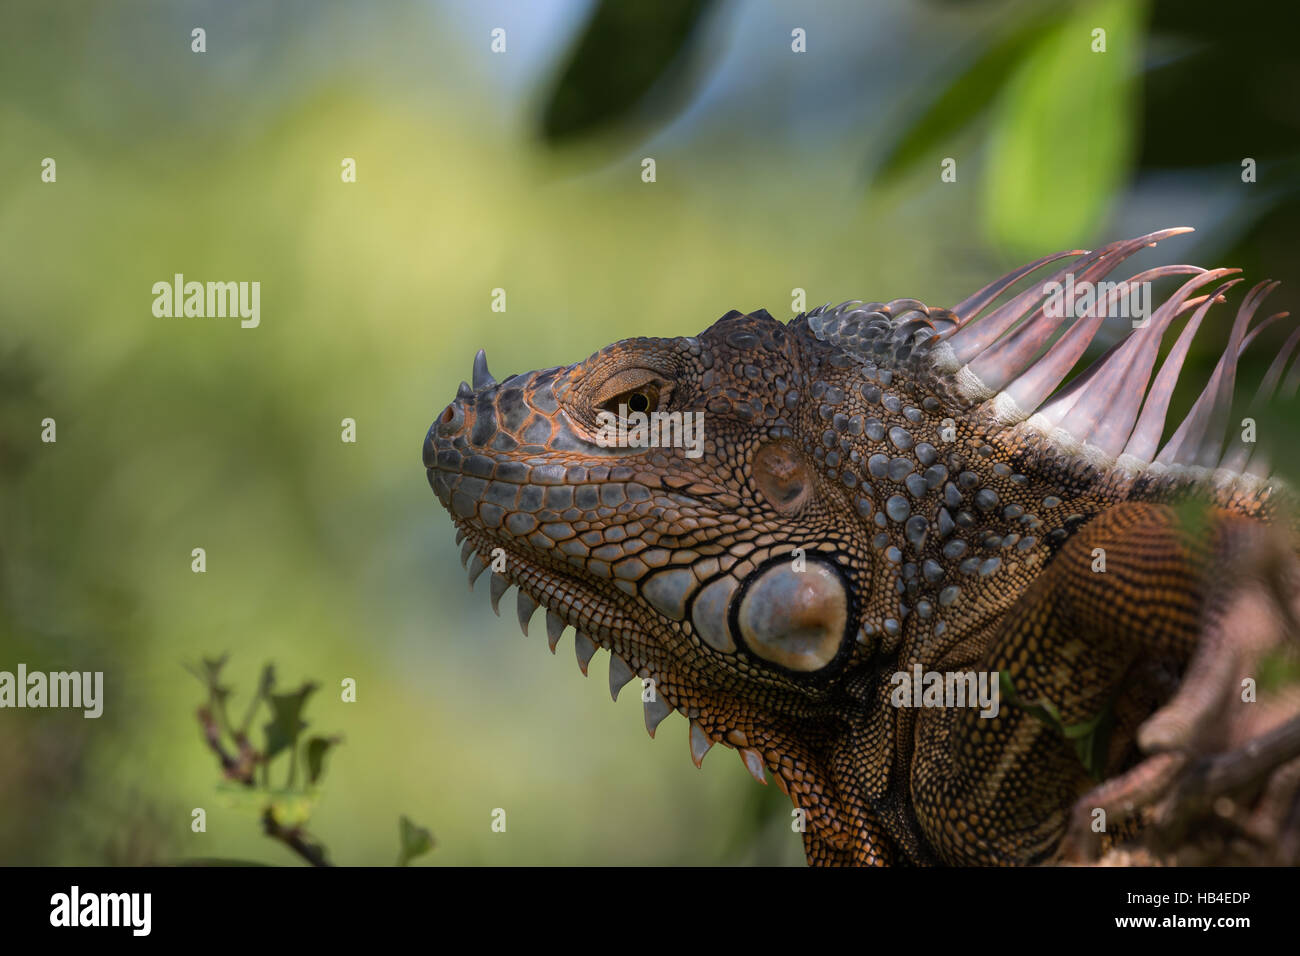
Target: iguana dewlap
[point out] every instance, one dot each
(881, 489)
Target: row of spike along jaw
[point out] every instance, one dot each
(620, 672)
(1107, 414)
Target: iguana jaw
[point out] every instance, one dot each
(796, 770)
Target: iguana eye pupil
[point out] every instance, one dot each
(641, 399)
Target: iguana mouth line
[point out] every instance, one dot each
(519, 570)
(517, 567)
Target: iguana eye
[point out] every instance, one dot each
(643, 399)
(632, 390)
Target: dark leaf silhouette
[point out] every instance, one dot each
(415, 841)
(286, 720)
(965, 96)
(317, 748)
(624, 51)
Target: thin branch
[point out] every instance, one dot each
(295, 839)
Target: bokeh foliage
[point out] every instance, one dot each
(334, 560)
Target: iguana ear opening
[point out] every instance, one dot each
(784, 477)
(796, 619)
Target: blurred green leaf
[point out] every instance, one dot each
(1194, 515)
(18, 408)
(624, 50)
(1062, 139)
(1091, 738)
(209, 672)
(317, 748)
(964, 98)
(415, 841)
(1279, 668)
(1186, 78)
(265, 684)
(286, 722)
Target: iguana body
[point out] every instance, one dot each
(882, 486)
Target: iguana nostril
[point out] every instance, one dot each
(451, 420)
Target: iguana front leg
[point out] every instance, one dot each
(1222, 779)
(1095, 644)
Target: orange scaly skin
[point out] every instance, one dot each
(930, 531)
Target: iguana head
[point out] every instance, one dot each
(761, 520)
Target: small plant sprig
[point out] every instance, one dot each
(287, 809)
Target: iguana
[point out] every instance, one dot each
(886, 489)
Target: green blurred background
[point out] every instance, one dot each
(477, 170)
